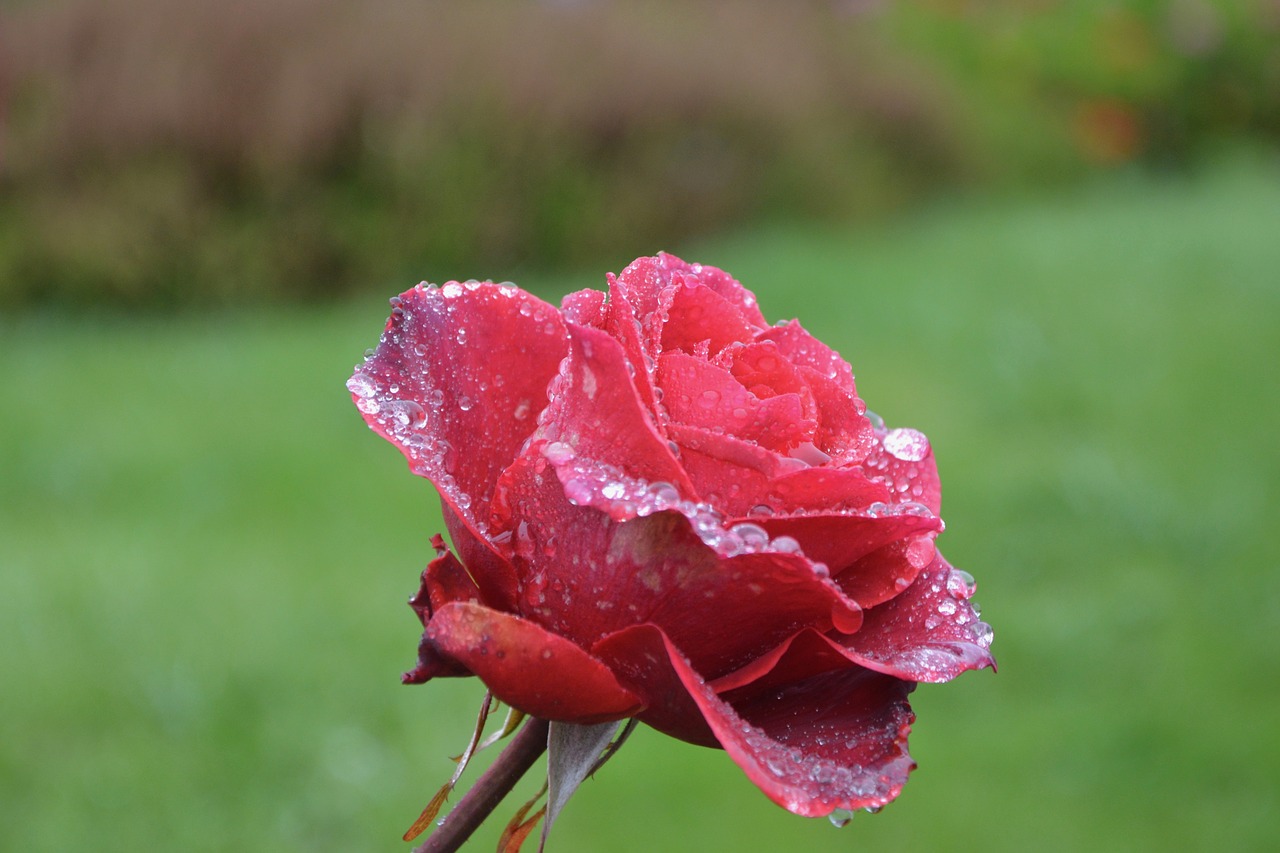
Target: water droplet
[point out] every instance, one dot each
(840, 818)
(762, 510)
(877, 422)
(461, 336)
(907, 444)
(557, 452)
(465, 403)
(785, 545)
(522, 410)
(982, 634)
(452, 290)
(361, 386)
(960, 583)
(946, 607)
(613, 491)
(753, 536)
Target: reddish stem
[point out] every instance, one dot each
(496, 782)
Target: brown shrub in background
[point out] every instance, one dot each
(173, 152)
(163, 152)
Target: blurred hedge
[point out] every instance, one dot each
(161, 153)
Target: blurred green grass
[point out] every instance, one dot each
(205, 554)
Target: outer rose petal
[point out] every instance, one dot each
(443, 581)
(928, 633)
(845, 544)
(529, 667)
(902, 461)
(830, 741)
(453, 363)
(587, 575)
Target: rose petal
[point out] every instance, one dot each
(887, 571)
(845, 544)
(528, 667)
(588, 575)
(902, 460)
(595, 411)
(453, 363)
(697, 313)
(836, 740)
(844, 430)
(928, 633)
(700, 394)
(721, 283)
(584, 307)
(444, 580)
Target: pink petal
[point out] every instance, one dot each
(584, 307)
(848, 545)
(596, 428)
(588, 575)
(723, 284)
(454, 363)
(698, 313)
(902, 461)
(928, 633)
(700, 394)
(528, 667)
(844, 430)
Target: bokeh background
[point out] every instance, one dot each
(1047, 234)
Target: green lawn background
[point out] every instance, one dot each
(204, 554)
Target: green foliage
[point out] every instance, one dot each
(205, 553)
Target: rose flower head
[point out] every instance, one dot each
(664, 508)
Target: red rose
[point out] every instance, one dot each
(665, 508)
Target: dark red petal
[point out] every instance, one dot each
(588, 575)
(701, 394)
(454, 363)
(928, 633)
(596, 429)
(697, 314)
(443, 581)
(487, 563)
(528, 667)
(638, 656)
(836, 740)
(902, 460)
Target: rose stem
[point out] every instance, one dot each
(496, 782)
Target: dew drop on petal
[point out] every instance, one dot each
(982, 634)
(465, 403)
(840, 818)
(361, 385)
(907, 444)
(557, 452)
(960, 583)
